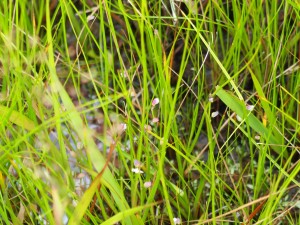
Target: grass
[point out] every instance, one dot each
(84, 140)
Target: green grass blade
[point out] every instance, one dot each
(120, 216)
(17, 118)
(239, 108)
(264, 103)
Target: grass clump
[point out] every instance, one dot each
(149, 112)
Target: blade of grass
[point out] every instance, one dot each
(89, 193)
(17, 118)
(120, 216)
(239, 108)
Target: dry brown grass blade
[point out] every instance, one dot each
(255, 211)
(99, 176)
(260, 200)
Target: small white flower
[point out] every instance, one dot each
(147, 128)
(137, 163)
(90, 17)
(210, 98)
(132, 92)
(136, 170)
(239, 118)
(155, 102)
(124, 74)
(79, 145)
(250, 107)
(257, 137)
(80, 175)
(155, 120)
(123, 126)
(214, 114)
(147, 184)
(177, 220)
